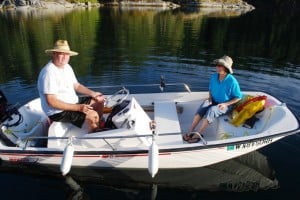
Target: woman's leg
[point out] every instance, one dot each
(212, 113)
(195, 137)
(201, 111)
(195, 122)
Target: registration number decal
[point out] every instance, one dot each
(249, 144)
(22, 160)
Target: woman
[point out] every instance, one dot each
(224, 92)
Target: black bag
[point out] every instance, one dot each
(116, 109)
(249, 123)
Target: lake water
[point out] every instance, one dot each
(136, 46)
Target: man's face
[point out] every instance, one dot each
(60, 59)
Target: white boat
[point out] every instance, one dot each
(143, 131)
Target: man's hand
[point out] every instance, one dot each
(85, 108)
(99, 97)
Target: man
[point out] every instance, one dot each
(58, 88)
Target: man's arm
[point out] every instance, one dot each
(84, 90)
(56, 103)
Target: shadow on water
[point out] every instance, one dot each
(247, 173)
(250, 172)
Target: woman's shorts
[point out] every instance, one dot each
(211, 111)
(75, 117)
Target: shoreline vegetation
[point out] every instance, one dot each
(55, 5)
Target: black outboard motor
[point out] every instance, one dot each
(7, 110)
(3, 107)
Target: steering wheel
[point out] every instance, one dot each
(117, 98)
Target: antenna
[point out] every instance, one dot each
(162, 83)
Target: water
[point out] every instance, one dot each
(137, 46)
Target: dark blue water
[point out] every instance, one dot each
(137, 46)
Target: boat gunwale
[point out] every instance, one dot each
(198, 146)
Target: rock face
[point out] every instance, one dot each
(215, 4)
(48, 4)
(222, 4)
(7, 4)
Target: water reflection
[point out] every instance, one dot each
(250, 172)
(247, 173)
(112, 39)
(76, 191)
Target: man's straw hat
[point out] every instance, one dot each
(61, 46)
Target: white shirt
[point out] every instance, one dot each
(58, 81)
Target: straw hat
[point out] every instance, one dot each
(61, 46)
(225, 61)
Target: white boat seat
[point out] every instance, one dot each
(61, 129)
(227, 130)
(166, 118)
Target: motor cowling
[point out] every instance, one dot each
(3, 107)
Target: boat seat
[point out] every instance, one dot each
(62, 129)
(166, 118)
(227, 130)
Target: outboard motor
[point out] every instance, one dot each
(3, 107)
(7, 110)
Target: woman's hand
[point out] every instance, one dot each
(221, 106)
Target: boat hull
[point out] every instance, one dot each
(190, 156)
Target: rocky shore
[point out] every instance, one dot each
(44, 4)
(63, 4)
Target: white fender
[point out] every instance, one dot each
(67, 158)
(153, 159)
